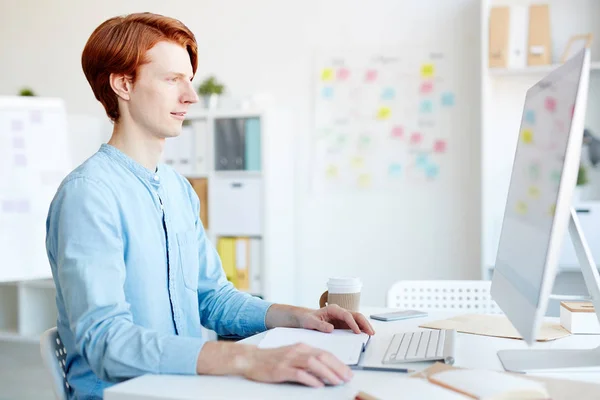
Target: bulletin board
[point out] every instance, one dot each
(34, 159)
(382, 120)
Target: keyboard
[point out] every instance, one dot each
(414, 346)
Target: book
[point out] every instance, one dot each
(489, 385)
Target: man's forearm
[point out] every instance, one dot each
(224, 358)
(280, 315)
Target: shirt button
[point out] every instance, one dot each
(156, 178)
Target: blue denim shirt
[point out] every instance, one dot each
(136, 275)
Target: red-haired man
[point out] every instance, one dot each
(136, 276)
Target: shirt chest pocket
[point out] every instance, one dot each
(188, 258)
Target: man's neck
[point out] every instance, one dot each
(143, 149)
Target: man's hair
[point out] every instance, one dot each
(119, 46)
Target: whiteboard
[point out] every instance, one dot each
(34, 159)
(382, 120)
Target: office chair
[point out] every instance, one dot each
(54, 357)
(443, 295)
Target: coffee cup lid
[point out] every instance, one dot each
(344, 281)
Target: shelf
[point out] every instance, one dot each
(197, 112)
(240, 173)
(535, 70)
(12, 336)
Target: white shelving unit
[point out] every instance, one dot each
(503, 94)
(257, 204)
(27, 308)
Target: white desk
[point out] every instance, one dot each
(472, 351)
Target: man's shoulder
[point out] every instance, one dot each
(93, 172)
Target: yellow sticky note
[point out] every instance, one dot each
(527, 136)
(427, 70)
(364, 180)
(522, 207)
(384, 113)
(332, 171)
(534, 192)
(327, 74)
(552, 210)
(357, 162)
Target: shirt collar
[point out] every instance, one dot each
(138, 169)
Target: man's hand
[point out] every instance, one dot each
(296, 363)
(334, 316)
(324, 319)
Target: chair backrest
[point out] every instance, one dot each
(443, 295)
(54, 357)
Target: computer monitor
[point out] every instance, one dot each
(538, 212)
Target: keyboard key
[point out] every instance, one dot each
(423, 344)
(414, 345)
(440, 346)
(394, 345)
(401, 354)
(432, 345)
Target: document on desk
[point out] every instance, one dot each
(495, 325)
(343, 343)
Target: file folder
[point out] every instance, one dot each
(539, 51)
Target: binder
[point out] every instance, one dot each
(499, 35)
(242, 259)
(200, 186)
(517, 37)
(539, 49)
(253, 144)
(226, 250)
(200, 166)
(229, 142)
(255, 266)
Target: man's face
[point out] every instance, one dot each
(163, 91)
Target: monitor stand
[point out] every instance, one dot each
(567, 360)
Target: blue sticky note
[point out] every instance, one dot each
(432, 171)
(394, 169)
(447, 99)
(530, 117)
(327, 92)
(426, 106)
(388, 93)
(422, 160)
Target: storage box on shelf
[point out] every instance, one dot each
(27, 309)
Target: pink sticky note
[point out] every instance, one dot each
(16, 125)
(426, 87)
(572, 110)
(439, 146)
(371, 75)
(343, 74)
(397, 131)
(20, 160)
(550, 104)
(416, 137)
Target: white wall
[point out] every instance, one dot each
(266, 46)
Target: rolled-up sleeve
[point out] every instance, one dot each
(88, 249)
(223, 308)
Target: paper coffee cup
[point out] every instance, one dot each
(343, 291)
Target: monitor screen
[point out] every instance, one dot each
(535, 181)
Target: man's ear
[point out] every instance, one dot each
(121, 85)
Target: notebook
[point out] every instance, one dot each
(343, 343)
(490, 385)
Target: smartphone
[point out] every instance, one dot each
(398, 315)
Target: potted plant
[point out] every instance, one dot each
(26, 92)
(210, 90)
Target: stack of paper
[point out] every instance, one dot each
(344, 344)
